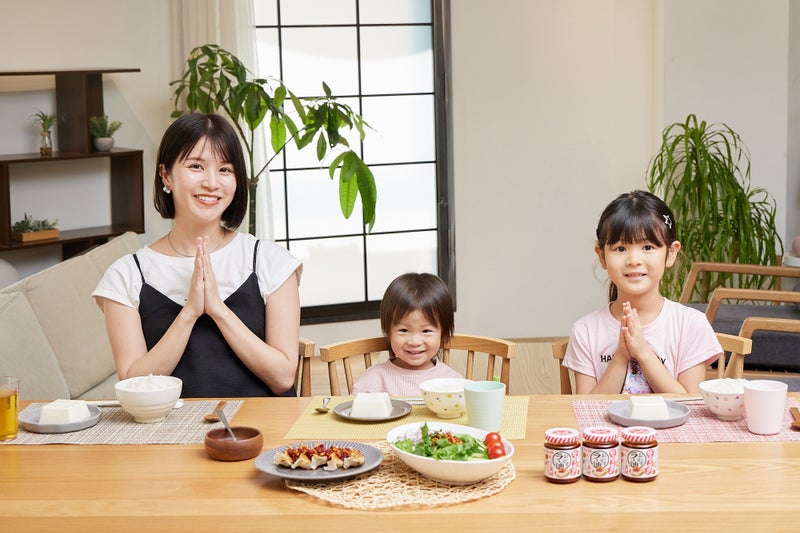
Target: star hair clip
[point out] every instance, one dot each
(668, 221)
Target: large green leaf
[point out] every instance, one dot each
(215, 81)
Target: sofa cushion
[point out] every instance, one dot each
(26, 352)
(74, 325)
(102, 256)
(102, 391)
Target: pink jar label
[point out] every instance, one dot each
(601, 463)
(639, 463)
(562, 464)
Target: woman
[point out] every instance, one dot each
(210, 305)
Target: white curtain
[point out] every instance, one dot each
(231, 25)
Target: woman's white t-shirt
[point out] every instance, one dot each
(232, 264)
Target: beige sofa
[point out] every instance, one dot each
(52, 333)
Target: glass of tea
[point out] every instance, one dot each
(9, 407)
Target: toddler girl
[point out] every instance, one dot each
(641, 342)
(417, 317)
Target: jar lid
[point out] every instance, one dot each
(600, 435)
(562, 436)
(639, 434)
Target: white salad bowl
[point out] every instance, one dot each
(451, 472)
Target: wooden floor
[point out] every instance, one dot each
(533, 371)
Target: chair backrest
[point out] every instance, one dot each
(559, 351)
(750, 325)
(756, 295)
(493, 348)
(302, 379)
(738, 347)
(733, 268)
(343, 351)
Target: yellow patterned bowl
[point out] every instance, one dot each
(444, 396)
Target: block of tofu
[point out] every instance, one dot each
(64, 412)
(371, 405)
(649, 408)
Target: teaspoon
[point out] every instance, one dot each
(221, 415)
(324, 409)
(212, 417)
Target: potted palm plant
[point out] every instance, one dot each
(215, 80)
(702, 171)
(102, 131)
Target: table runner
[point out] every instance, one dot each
(394, 484)
(702, 425)
(313, 425)
(182, 426)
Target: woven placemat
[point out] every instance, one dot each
(393, 485)
(182, 426)
(702, 425)
(313, 425)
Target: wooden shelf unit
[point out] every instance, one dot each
(79, 95)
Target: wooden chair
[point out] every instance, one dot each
(701, 267)
(743, 311)
(367, 347)
(302, 379)
(737, 346)
(750, 326)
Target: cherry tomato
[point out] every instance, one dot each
(492, 438)
(496, 450)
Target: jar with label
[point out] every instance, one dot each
(562, 455)
(600, 454)
(639, 454)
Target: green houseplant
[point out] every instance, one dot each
(702, 171)
(102, 131)
(215, 80)
(31, 229)
(45, 121)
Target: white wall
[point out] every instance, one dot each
(556, 109)
(51, 34)
(728, 61)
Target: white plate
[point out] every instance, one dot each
(620, 412)
(399, 410)
(372, 458)
(30, 421)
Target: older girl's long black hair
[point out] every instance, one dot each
(634, 217)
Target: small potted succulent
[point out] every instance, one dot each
(102, 131)
(31, 229)
(45, 121)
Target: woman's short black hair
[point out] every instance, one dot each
(176, 145)
(418, 292)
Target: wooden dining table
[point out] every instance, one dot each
(721, 486)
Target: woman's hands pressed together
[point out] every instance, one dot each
(203, 297)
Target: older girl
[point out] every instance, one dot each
(641, 342)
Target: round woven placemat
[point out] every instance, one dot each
(393, 484)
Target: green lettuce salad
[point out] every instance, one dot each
(443, 445)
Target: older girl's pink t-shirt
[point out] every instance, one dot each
(680, 336)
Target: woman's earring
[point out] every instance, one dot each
(166, 189)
